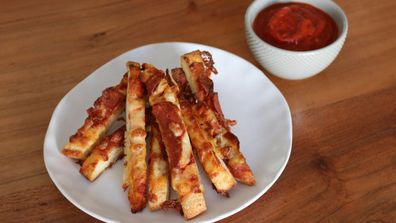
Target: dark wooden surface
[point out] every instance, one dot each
(343, 163)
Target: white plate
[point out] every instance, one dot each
(264, 129)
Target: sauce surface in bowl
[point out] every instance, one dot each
(295, 26)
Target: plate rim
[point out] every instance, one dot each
(220, 216)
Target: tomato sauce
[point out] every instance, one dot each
(295, 26)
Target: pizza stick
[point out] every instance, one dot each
(104, 155)
(198, 67)
(185, 178)
(158, 169)
(203, 143)
(135, 166)
(101, 115)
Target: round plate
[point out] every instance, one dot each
(264, 129)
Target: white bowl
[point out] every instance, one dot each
(295, 65)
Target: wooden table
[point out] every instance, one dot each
(343, 163)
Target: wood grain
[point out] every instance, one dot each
(343, 163)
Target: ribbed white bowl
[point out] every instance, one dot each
(295, 64)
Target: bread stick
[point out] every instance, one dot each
(158, 173)
(185, 178)
(101, 115)
(135, 166)
(198, 67)
(104, 155)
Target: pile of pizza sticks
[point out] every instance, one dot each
(175, 114)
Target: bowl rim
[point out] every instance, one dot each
(341, 37)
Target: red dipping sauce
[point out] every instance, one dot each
(295, 26)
